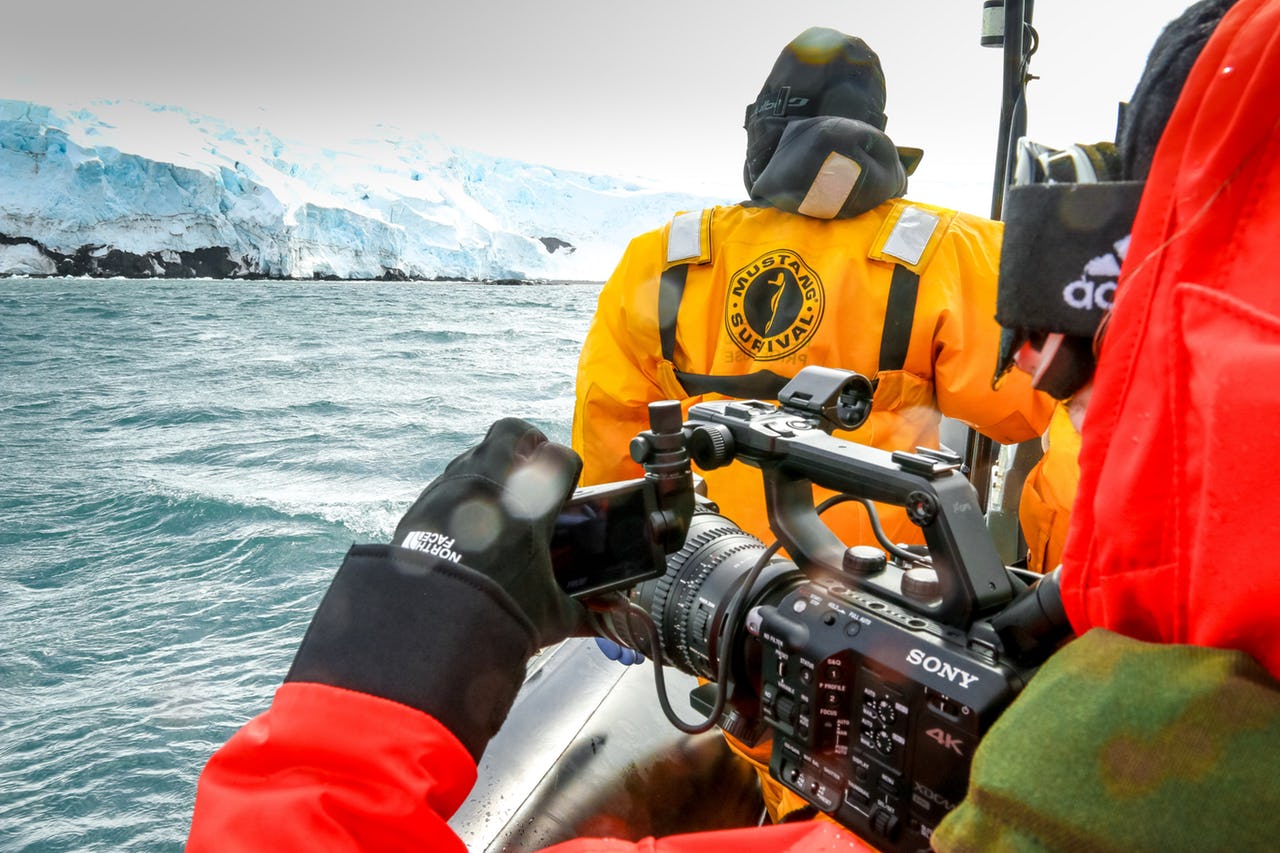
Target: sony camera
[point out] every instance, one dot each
(875, 670)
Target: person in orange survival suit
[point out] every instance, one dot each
(825, 264)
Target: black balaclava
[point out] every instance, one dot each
(822, 72)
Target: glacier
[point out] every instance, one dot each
(134, 189)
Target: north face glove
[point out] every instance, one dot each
(446, 621)
(493, 511)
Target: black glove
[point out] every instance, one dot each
(493, 510)
(445, 622)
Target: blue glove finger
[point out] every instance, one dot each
(621, 654)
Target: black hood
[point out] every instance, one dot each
(820, 73)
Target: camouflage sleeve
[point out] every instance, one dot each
(1122, 745)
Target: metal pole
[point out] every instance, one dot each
(980, 451)
(1013, 108)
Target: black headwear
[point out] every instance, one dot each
(822, 72)
(1065, 236)
(1176, 49)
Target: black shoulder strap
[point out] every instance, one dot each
(899, 314)
(670, 292)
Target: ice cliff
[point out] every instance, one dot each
(141, 190)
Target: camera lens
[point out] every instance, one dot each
(690, 602)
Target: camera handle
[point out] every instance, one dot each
(792, 447)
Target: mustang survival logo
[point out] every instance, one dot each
(775, 305)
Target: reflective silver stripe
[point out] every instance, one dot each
(684, 242)
(832, 187)
(911, 234)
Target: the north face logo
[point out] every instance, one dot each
(774, 305)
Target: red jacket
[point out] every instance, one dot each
(389, 782)
(1172, 539)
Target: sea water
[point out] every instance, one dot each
(183, 465)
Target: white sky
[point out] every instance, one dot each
(654, 89)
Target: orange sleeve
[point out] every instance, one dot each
(618, 366)
(967, 339)
(1048, 493)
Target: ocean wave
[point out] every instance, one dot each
(172, 416)
(186, 464)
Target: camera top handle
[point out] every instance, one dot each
(792, 445)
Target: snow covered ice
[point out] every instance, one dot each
(182, 191)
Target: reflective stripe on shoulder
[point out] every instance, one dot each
(689, 238)
(911, 235)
